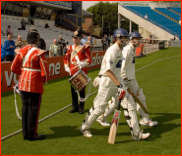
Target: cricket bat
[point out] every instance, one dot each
(114, 125)
(137, 100)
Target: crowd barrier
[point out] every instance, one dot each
(55, 65)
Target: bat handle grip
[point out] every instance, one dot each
(119, 104)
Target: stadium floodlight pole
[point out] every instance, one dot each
(119, 20)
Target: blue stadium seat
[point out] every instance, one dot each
(177, 10)
(169, 13)
(157, 19)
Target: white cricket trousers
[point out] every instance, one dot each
(107, 89)
(133, 85)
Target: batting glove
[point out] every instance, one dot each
(96, 82)
(121, 92)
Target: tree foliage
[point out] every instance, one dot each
(110, 15)
(109, 12)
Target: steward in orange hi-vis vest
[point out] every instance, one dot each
(77, 56)
(32, 67)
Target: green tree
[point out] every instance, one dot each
(109, 12)
(110, 17)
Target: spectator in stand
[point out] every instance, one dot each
(42, 44)
(23, 24)
(9, 31)
(104, 42)
(146, 17)
(9, 47)
(3, 53)
(83, 40)
(108, 39)
(176, 38)
(31, 22)
(20, 44)
(46, 25)
(89, 42)
(53, 50)
(111, 40)
(62, 45)
(150, 36)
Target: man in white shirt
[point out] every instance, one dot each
(110, 84)
(53, 50)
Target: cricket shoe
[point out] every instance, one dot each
(103, 123)
(141, 136)
(148, 124)
(86, 132)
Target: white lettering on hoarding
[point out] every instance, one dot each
(8, 79)
(96, 60)
(55, 68)
(15, 79)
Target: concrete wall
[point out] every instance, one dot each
(145, 33)
(8, 18)
(175, 43)
(39, 22)
(160, 33)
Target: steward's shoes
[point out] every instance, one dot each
(86, 132)
(103, 123)
(81, 111)
(73, 110)
(37, 137)
(149, 124)
(141, 136)
(25, 138)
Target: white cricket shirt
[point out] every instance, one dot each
(128, 62)
(112, 60)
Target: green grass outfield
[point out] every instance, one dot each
(161, 82)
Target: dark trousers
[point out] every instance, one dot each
(9, 58)
(75, 98)
(30, 113)
(23, 27)
(104, 46)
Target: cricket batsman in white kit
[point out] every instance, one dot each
(111, 83)
(129, 105)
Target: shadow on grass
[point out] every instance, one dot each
(163, 125)
(63, 131)
(156, 132)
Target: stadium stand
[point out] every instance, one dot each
(169, 13)
(177, 10)
(47, 34)
(157, 19)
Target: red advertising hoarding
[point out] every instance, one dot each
(55, 65)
